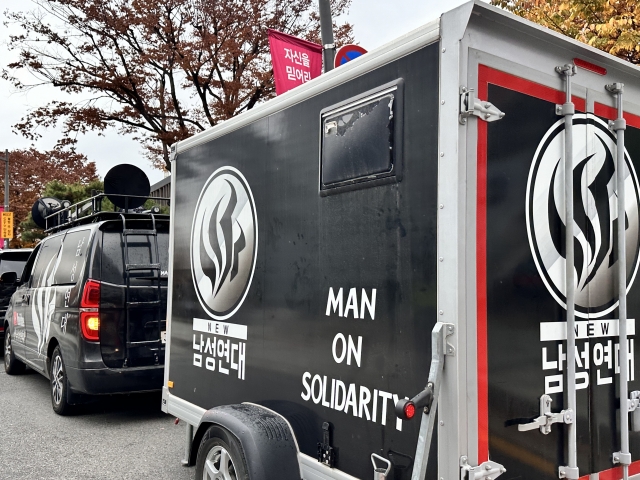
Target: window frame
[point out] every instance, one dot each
(87, 253)
(395, 174)
(41, 246)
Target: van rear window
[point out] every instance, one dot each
(140, 252)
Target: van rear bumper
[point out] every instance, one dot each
(101, 381)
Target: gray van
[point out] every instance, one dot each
(89, 312)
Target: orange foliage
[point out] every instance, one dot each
(160, 70)
(30, 170)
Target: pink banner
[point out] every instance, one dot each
(295, 61)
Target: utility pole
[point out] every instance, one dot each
(6, 189)
(326, 30)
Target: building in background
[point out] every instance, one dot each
(162, 189)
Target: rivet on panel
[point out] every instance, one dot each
(442, 102)
(441, 206)
(441, 259)
(441, 312)
(444, 50)
(442, 423)
(442, 154)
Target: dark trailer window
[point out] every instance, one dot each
(361, 140)
(13, 262)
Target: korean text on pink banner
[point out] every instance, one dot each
(295, 61)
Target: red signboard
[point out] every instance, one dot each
(295, 61)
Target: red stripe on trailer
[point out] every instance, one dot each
(527, 87)
(616, 472)
(611, 113)
(486, 76)
(481, 275)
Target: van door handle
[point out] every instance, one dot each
(26, 297)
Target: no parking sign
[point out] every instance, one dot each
(347, 53)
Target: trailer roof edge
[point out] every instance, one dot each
(393, 50)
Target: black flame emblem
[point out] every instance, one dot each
(595, 215)
(225, 250)
(588, 260)
(224, 243)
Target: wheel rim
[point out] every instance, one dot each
(218, 465)
(7, 348)
(57, 379)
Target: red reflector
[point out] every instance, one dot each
(91, 295)
(90, 325)
(409, 410)
(592, 67)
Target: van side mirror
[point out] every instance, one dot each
(9, 277)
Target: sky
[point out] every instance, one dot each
(375, 22)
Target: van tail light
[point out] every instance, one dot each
(91, 295)
(90, 311)
(90, 323)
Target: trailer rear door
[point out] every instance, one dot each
(520, 265)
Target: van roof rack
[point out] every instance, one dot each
(90, 211)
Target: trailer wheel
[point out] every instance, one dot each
(220, 457)
(59, 384)
(12, 365)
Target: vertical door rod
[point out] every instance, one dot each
(568, 110)
(623, 457)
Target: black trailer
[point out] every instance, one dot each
(401, 221)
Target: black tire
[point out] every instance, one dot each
(12, 365)
(59, 384)
(218, 446)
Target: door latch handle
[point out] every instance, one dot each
(547, 417)
(26, 297)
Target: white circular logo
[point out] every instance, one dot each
(224, 243)
(595, 204)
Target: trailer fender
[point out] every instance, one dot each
(269, 445)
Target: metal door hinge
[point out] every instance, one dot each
(634, 408)
(571, 473)
(472, 106)
(449, 349)
(547, 417)
(486, 471)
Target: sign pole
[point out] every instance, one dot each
(326, 31)
(6, 189)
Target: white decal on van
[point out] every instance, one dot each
(44, 302)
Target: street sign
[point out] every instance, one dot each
(347, 53)
(7, 225)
